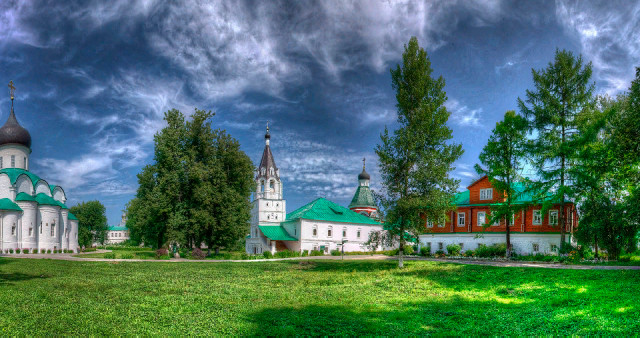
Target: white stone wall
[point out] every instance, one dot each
(48, 216)
(117, 236)
(354, 243)
(268, 211)
(43, 187)
(63, 228)
(59, 195)
(24, 184)
(20, 153)
(27, 221)
(10, 236)
(522, 242)
(73, 235)
(6, 189)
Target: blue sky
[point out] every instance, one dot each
(94, 78)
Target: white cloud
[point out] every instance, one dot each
(609, 35)
(463, 115)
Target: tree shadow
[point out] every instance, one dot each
(9, 278)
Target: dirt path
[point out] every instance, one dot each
(69, 257)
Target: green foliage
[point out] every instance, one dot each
(425, 251)
(92, 222)
(267, 254)
(408, 250)
(439, 253)
(562, 97)
(502, 161)
(316, 253)
(335, 252)
(126, 255)
(125, 248)
(287, 254)
(48, 251)
(110, 255)
(162, 252)
(454, 249)
(197, 190)
(494, 250)
(25, 251)
(197, 254)
(415, 161)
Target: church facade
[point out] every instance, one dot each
(319, 225)
(33, 215)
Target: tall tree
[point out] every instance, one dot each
(416, 159)
(562, 93)
(502, 161)
(92, 222)
(197, 190)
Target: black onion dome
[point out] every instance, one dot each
(13, 132)
(364, 175)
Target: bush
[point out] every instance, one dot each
(162, 253)
(335, 252)
(197, 254)
(267, 254)
(305, 253)
(244, 256)
(425, 251)
(25, 251)
(287, 254)
(469, 253)
(48, 251)
(316, 253)
(89, 249)
(566, 248)
(43, 251)
(125, 247)
(126, 255)
(110, 255)
(226, 255)
(439, 253)
(408, 250)
(454, 249)
(10, 251)
(495, 250)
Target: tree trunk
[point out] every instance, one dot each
(217, 250)
(401, 254)
(508, 239)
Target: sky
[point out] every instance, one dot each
(94, 78)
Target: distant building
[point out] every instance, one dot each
(467, 226)
(120, 233)
(319, 225)
(33, 215)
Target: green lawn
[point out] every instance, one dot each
(44, 297)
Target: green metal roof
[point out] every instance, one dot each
(62, 205)
(45, 199)
(324, 210)
(23, 196)
(522, 196)
(72, 216)
(14, 173)
(7, 204)
(276, 233)
(117, 228)
(362, 198)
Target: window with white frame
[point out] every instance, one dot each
(53, 229)
(429, 223)
(330, 232)
(315, 231)
(31, 232)
(536, 247)
(482, 218)
(25, 163)
(461, 219)
(13, 230)
(440, 246)
(441, 222)
(486, 194)
(496, 222)
(537, 217)
(344, 232)
(358, 233)
(513, 220)
(1, 166)
(13, 161)
(553, 217)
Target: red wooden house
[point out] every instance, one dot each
(531, 231)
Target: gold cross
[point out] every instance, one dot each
(12, 89)
(363, 160)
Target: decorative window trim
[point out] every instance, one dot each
(429, 223)
(314, 231)
(441, 222)
(486, 194)
(464, 219)
(344, 232)
(330, 232)
(553, 215)
(536, 214)
(484, 218)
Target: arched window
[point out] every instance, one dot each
(13, 161)
(330, 232)
(261, 186)
(344, 232)
(271, 171)
(271, 184)
(315, 231)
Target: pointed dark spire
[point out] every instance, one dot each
(12, 132)
(267, 167)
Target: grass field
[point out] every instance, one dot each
(44, 297)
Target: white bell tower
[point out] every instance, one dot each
(268, 206)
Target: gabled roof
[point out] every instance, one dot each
(324, 210)
(362, 198)
(72, 217)
(7, 204)
(522, 196)
(276, 233)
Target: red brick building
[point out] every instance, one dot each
(468, 226)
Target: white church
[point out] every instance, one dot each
(319, 225)
(33, 215)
